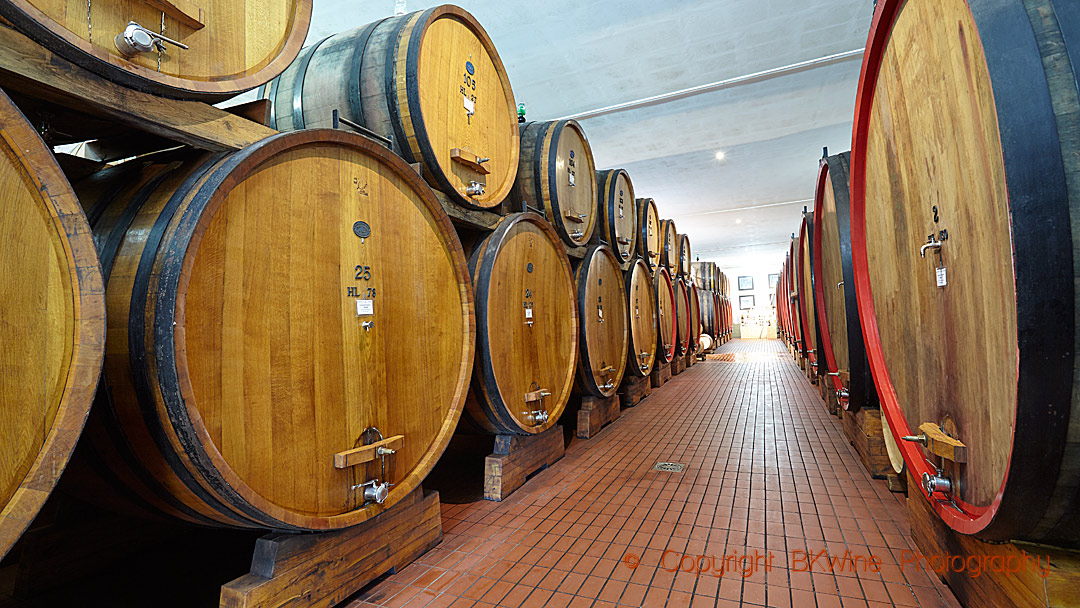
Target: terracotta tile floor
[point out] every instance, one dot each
(767, 471)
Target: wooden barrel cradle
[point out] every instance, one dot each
(684, 256)
(255, 303)
(695, 315)
(666, 319)
(649, 233)
(232, 47)
(53, 334)
(964, 251)
(431, 82)
(683, 330)
(617, 211)
(527, 327)
(669, 246)
(557, 175)
(841, 347)
(641, 308)
(604, 339)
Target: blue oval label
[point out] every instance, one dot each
(571, 154)
(469, 68)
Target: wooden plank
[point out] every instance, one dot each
(634, 389)
(661, 373)
(516, 457)
(33, 70)
(182, 10)
(366, 453)
(322, 570)
(941, 444)
(468, 218)
(595, 413)
(470, 160)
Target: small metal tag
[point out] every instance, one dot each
(941, 280)
(365, 308)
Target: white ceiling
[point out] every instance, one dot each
(571, 57)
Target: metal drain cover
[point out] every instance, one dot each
(669, 467)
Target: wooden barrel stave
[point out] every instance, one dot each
(53, 333)
(682, 316)
(528, 326)
(665, 315)
(618, 214)
(684, 256)
(604, 338)
(695, 315)
(669, 246)
(641, 308)
(649, 233)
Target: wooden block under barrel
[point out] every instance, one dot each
(517, 457)
(596, 413)
(634, 389)
(660, 374)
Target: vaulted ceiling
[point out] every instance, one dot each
(768, 83)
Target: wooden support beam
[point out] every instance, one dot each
(31, 69)
(366, 453)
(941, 444)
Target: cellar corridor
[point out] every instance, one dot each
(769, 482)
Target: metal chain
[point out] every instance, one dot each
(159, 44)
(89, 27)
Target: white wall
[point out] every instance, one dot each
(761, 291)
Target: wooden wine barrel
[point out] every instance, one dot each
(684, 256)
(666, 320)
(721, 321)
(708, 312)
(649, 232)
(965, 254)
(527, 327)
(669, 246)
(682, 317)
(556, 175)
(695, 315)
(232, 47)
(896, 456)
(53, 329)
(430, 81)
(841, 347)
(641, 308)
(604, 338)
(256, 303)
(618, 214)
(805, 278)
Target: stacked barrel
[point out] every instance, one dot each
(713, 291)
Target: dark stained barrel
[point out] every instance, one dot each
(684, 256)
(682, 316)
(53, 331)
(527, 327)
(617, 211)
(964, 191)
(256, 303)
(431, 82)
(666, 320)
(669, 246)
(650, 236)
(641, 310)
(556, 175)
(604, 337)
(841, 348)
(232, 46)
(695, 315)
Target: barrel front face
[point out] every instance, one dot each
(53, 334)
(556, 173)
(682, 317)
(527, 319)
(649, 232)
(806, 292)
(641, 308)
(618, 213)
(830, 277)
(232, 47)
(666, 319)
(684, 256)
(604, 330)
(669, 243)
(975, 252)
(266, 316)
(695, 315)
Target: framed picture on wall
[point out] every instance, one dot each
(772, 300)
(773, 280)
(746, 283)
(746, 302)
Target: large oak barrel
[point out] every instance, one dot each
(666, 320)
(682, 317)
(618, 214)
(641, 308)
(841, 347)
(695, 315)
(964, 177)
(669, 246)
(232, 46)
(649, 232)
(708, 313)
(527, 327)
(53, 329)
(684, 256)
(556, 175)
(604, 338)
(256, 306)
(805, 278)
(431, 82)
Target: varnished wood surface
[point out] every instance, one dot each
(669, 246)
(685, 256)
(557, 175)
(407, 79)
(807, 312)
(666, 319)
(682, 317)
(605, 335)
(244, 285)
(527, 326)
(695, 316)
(618, 214)
(831, 304)
(641, 308)
(53, 330)
(649, 233)
(237, 46)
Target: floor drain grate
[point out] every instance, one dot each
(669, 467)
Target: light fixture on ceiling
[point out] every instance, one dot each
(738, 220)
(720, 156)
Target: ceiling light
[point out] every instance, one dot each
(738, 221)
(720, 156)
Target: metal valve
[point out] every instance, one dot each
(842, 396)
(916, 438)
(137, 39)
(931, 243)
(475, 189)
(577, 234)
(936, 483)
(367, 325)
(537, 417)
(375, 491)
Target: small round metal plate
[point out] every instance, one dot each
(529, 267)
(469, 68)
(361, 229)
